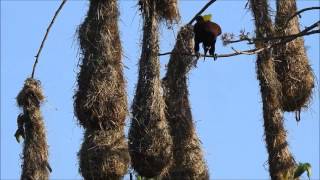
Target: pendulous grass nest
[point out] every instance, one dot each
(294, 71)
(101, 101)
(149, 138)
(280, 159)
(168, 10)
(31, 127)
(165, 9)
(104, 154)
(188, 161)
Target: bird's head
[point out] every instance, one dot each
(207, 17)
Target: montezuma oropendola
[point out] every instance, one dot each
(205, 32)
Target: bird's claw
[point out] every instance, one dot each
(17, 137)
(194, 63)
(198, 55)
(49, 167)
(19, 133)
(215, 57)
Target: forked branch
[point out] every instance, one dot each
(298, 13)
(305, 32)
(283, 39)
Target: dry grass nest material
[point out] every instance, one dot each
(149, 138)
(101, 101)
(31, 127)
(293, 70)
(280, 158)
(297, 80)
(104, 155)
(150, 148)
(31, 96)
(168, 10)
(180, 62)
(188, 162)
(165, 9)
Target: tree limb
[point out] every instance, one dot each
(256, 50)
(201, 11)
(250, 41)
(236, 52)
(45, 37)
(302, 33)
(301, 11)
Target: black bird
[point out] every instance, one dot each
(205, 32)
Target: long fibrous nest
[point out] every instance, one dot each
(104, 154)
(281, 162)
(31, 127)
(165, 9)
(168, 10)
(101, 102)
(188, 161)
(292, 64)
(149, 138)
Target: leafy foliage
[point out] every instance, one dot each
(303, 167)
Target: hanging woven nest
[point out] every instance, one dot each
(104, 155)
(292, 65)
(280, 160)
(167, 10)
(31, 127)
(100, 101)
(188, 160)
(149, 139)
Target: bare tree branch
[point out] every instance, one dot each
(257, 50)
(302, 33)
(286, 39)
(236, 52)
(301, 11)
(201, 11)
(250, 41)
(45, 37)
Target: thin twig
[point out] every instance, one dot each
(306, 31)
(45, 37)
(257, 50)
(251, 51)
(201, 11)
(301, 11)
(239, 40)
(185, 54)
(236, 52)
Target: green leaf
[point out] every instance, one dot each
(303, 167)
(308, 170)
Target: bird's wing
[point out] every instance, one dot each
(213, 28)
(218, 29)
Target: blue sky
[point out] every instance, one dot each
(224, 94)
